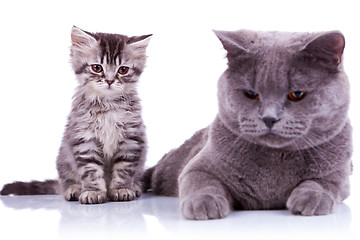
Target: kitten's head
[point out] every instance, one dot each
(284, 89)
(107, 66)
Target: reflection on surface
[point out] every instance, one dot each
(154, 216)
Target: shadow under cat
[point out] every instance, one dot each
(154, 215)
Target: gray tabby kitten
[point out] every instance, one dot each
(104, 145)
(282, 137)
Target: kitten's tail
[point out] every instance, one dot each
(47, 187)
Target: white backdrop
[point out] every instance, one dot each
(178, 88)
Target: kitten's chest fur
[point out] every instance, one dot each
(108, 126)
(109, 129)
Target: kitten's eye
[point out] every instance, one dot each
(251, 94)
(96, 68)
(296, 96)
(123, 70)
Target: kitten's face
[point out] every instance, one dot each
(107, 65)
(284, 89)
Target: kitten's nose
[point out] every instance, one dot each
(270, 121)
(109, 82)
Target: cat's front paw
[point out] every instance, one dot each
(73, 192)
(124, 194)
(310, 202)
(92, 197)
(202, 206)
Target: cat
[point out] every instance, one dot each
(281, 138)
(104, 146)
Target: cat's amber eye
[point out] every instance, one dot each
(296, 96)
(96, 68)
(251, 94)
(123, 70)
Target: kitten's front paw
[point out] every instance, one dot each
(309, 202)
(92, 197)
(202, 206)
(124, 194)
(73, 192)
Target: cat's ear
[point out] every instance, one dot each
(326, 49)
(233, 42)
(139, 43)
(82, 40)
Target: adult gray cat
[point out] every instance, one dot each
(104, 145)
(281, 138)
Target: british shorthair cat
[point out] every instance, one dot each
(281, 138)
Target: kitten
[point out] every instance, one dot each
(281, 138)
(102, 153)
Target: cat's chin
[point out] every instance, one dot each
(104, 93)
(274, 141)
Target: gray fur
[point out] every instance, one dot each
(103, 150)
(266, 149)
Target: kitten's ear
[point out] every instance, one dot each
(233, 42)
(326, 49)
(82, 40)
(139, 43)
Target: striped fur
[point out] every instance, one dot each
(103, 150)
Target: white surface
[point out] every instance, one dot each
(153, 217)
(178, 90)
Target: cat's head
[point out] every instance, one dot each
(107, 65)
(284, 89)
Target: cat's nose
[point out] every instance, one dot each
(109, 82)
(270, 121)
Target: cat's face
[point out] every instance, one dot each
(284, 89)
(107, 65)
